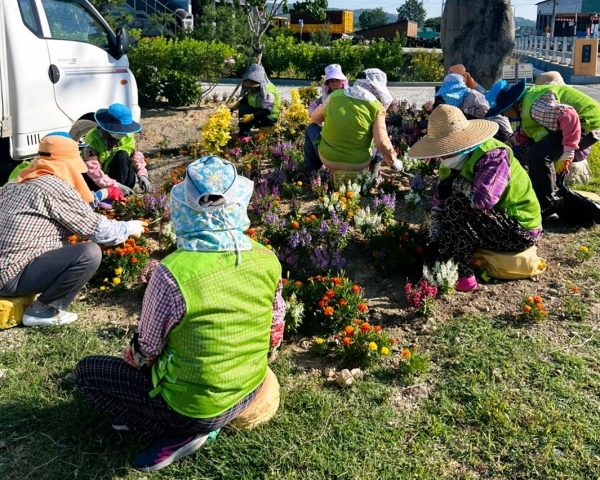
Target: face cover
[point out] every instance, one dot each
(117, 136)
(456, 161)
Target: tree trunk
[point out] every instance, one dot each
(480, 35)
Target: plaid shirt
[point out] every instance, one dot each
(37, 216)
(164, 308)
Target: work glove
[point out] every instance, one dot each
(247, 118)
(562, 164)
(144, 183)
(100, 195)
(125, 190)
(136, 227)
(115, 194)
(397, 165)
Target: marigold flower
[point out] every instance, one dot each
(365, 327)
(350, 213)
(322, 303)
(248, 166)
(347, 341)
(330, 293)
(539, 306)
(299, 183)
(319, 340)
(349, 331)
(250, 232)
(537, 299)
(295, 224)
(406, 353)
(356, 289)
(336, 280)
(284, 281)
(384, 351)
(329, 311)
(362, 306)
(377, 328)
(350, 194)
(102, 288)
(313, 217)
(118, 271)
(584, 249)
(342, 302)
(575, 289)
(105, 280)
(543, 313)
(529, 299)
(134, 260)
(116, 281)
(298, 283)
(527, 308)
(373, 346)
(394, 341)
(357, 321)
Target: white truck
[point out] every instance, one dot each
(59, 63)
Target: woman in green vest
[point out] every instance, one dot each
(559, 120)
(483, 198)
(353, 123)
(211, 314)
(110, 155)
(259, 102)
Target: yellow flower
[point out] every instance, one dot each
(384, 351)
(105, 280)
(299, 183)
(584, 249)
(373, 346)
(118, 271)
(269, 247)
(102, 288)
(319, 340)
(116, 281)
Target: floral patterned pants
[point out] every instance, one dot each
(464, 229)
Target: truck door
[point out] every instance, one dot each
(84, 73)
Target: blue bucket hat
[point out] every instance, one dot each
(117, 119)
(502, 96)
(209, 209)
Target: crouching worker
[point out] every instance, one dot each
(110, 156)
(483, 199)
(210, 313)
(48, 202)
(259, 102)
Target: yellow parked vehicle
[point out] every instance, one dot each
(341, 23)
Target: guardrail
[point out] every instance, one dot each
(552, 49)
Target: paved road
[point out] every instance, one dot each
(418, 95)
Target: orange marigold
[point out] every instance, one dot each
(365, 327)
(356, 289)
(406, 353)
(377, 328)
(362, 306)
(329, 311)
(527, 308)
(342, 302)
(295, 224)
(284, 281)
(529, 300)
(357, 321)
(134, 260)
(298, 283)
(330, 293)
(537, 299)
(349, 330)
(347, 340)
(336, 280)
(322, 303)
(575, 289)
(539, 306)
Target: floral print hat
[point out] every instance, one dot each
(209, 208)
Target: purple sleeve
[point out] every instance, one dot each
(492, 172)
(163, 309)
(278, 323)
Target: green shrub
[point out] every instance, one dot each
(181, 89)
(423, 66)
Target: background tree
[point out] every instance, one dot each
(322, 36)
(114, 12)
(434, 22)
(412, 10)
(372, 18)
(226, 24)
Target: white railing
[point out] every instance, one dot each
(555, 49)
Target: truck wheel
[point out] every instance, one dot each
(80, 129)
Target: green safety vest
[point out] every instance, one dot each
(217, 355)
(254, 100)
(586, 107)
(105, 157)
(518, 200)
(347, 135)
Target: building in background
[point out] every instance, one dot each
(572, 17)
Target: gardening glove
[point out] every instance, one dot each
(126, 191)
(100, 195)
(247, 118)
(144, 183)
(136, 228)
(115, 194)
(234, 107)
(397, 165)
(564, 161)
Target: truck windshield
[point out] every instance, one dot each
(69, 20)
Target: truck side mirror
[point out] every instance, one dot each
(121, 43)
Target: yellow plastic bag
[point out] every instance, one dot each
(11, 310)
(510, 265)
(264, 406)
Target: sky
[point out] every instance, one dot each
(524, 8)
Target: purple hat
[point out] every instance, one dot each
(334, 71)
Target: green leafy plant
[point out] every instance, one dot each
(583, 253)
(412, 364)
(532, 309)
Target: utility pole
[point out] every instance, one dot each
(443, 5)
(553, 18)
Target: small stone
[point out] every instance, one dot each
(357, 373)
(328, 372)
(3, 372)
(344, 378)
(69, 377)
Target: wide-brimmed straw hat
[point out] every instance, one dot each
(550, 78)
(505, 97)
(448, 132)
(117, 119)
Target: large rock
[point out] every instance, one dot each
(480, 35)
